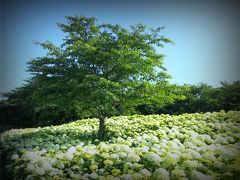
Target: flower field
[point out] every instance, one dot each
(199, 146)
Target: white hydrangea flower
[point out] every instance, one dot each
(68, 156)
(200, 176)
(40, 171)
(59, 155)
(207, 138)
(173, 145)
(161, 174)
(14, 156)
(152, 139)
(177, 174)
(45, 164)
(138, 139)
(209, 155)
(197, 142)
(32, 156)
(230, 139)
(72, 149)
(220, 149)
(188, 144)
(125, 148)
(145, 172)
(145, 149)
(126, 177)
(115, 156)
(137, 176)
(108, 162)
(54, 172)
(93, 175)
(103, 147)
(30, 167)
(132, 157)
(122, 154)
(217, 126)
(230, 154)
(186, 156)
(219, 139)
(194, 154)
(153, 158)
(192, 164)
(172, 156)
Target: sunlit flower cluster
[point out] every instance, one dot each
(161, 147)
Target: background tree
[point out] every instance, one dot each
(230, 95)
(102, 70)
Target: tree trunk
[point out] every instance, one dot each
(101, 132)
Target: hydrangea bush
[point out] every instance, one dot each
(201, 146)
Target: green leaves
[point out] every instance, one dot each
(106, 68)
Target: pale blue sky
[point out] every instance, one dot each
(206, 34)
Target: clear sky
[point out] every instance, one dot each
(206, 33)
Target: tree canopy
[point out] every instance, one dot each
(102, 69)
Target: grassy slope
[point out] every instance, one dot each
(179, 144)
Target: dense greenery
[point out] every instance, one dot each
(18, 111)
(199, 146)
(200, 98)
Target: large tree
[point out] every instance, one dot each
(101, 69)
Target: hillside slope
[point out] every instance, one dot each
(189, 146)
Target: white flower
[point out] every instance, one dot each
(108, 162)
(172, 156)
(14, 156)
(177, 174)
(209, 155)
(193, 153)
(122, 154)
(126, 177)
(137, 176)
(115, 156)
(191, 164)
(161, 174)
(173, 145)
(207, 138)
(188, 144)
(72, 150)
(93, 175)
(145, 149)
(54, 172)
(219, 139)
(153, 158)
(228, 155)
(39, 171)
(45, 164)
(68, 156)
(30, 167)
(32, 156)
(132, 157)
(145, 172)
(200, 176)
(230, 139)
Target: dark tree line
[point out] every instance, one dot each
(17, 110)
(200, 98)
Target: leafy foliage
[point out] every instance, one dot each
(199, 98)
(103, 70)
